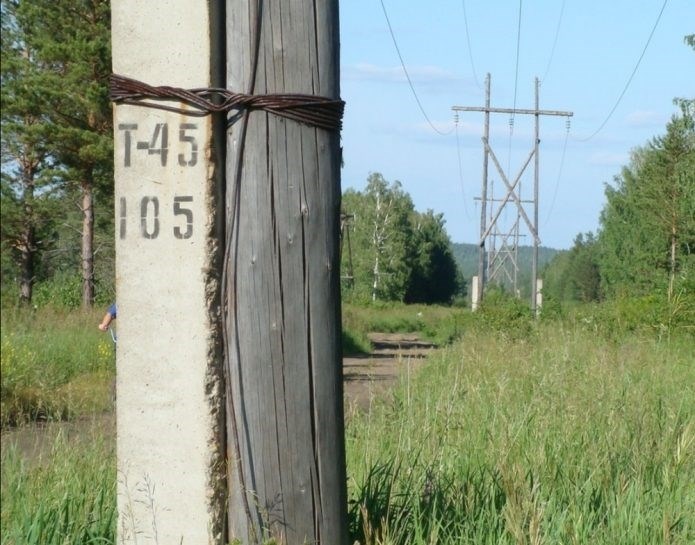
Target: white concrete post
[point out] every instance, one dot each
(539, 296)
(171, 486)
(475, 293)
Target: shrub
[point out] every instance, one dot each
(651, 314)
(505, 314)
(64, 291)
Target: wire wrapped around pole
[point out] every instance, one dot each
(321, 112)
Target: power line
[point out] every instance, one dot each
(513, 189)
(518, 42)
(468, 40)
(407, 76)
(557, 33)
(629, 81)
(458, 153)
(559, 173)
(516, 82)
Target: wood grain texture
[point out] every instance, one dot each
(285, 415)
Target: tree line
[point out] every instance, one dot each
(645, 244)
(56, 190)
(391, 252)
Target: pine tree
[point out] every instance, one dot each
(69, 42)
(27, 185)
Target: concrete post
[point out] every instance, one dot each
(475, 293)
(171, 484)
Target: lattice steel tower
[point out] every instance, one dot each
(493, 263)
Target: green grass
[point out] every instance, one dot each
(438, 324)
(53, 365)
(564, 438)
(67, 497)
(556, 434)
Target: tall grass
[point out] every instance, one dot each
(556, 434)
(564, 438)
(53, 365)
(67, 497)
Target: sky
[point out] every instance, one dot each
(583, 52)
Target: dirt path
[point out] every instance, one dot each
(370, 376)
(365, 378)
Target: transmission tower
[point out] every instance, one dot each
(494, 264)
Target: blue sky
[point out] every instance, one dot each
(597, 47)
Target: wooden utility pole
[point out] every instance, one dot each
(483, 195)
(513, 192)
(536, 239)
(286, 461)
(345, 227)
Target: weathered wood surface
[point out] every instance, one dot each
(285, 414)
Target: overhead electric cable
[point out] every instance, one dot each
(407, 76)
(458, 152)
(516, 82)
(557, 33)
(468, 41)
(518, 42)
(629, 81)
(559, 173)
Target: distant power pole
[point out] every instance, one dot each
(345, 227)
(489, 226)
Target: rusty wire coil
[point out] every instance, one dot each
(321, 112)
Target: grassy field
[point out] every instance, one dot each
(54, 365)
(438, 324)
(554, 434)
(561, 438)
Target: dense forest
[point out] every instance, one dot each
(645, 245)
(57, 193)
(392, 252)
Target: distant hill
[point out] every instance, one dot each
(466, 256)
